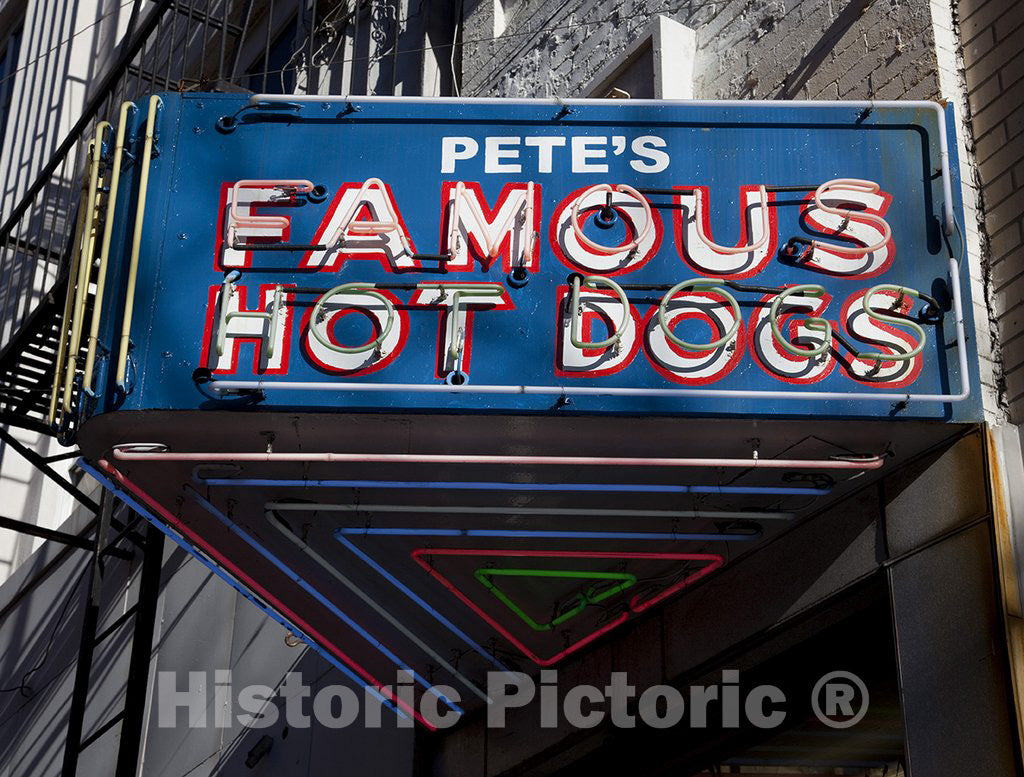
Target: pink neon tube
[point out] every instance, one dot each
(258, 589)
(147, 451)
(715, 561)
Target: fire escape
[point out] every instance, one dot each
(50, 242)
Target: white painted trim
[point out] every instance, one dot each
(675, 51)
(673, 48)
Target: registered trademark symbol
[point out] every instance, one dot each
(840, 699)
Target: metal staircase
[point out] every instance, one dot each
(27, 363)
(42, 235)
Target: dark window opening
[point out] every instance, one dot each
(275, 71)
(8, 68)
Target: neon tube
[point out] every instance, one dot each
(457, 289)
(89, 230)
(497, 486)
(812, 322)
(263, 221)
(305, 586)
(357, 288)
(611, 250)
(525, 534)
(144, 451)
(370, 227)
(219, 572)
(715, 561)
(492, 247)
(418, 600)
(857, 185)
(108, 231)
(62, 345)
(337, 575)
(569, 390)
(765, 228)
(877, 315)
(722, 515)
(133, 265)
(625, 581)
(699, 284)
(865, 106)
(271, 316)
(592, 282)
(363, 675)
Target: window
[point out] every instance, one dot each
(8, 68)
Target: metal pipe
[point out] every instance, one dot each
(37, 461)
(133, 267)
(108, 231)
(148, 452)
(100, 95)
(570, 390)
(23, 527)
(865, 106)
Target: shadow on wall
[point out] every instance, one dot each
(39, 643)
(814, 59)
(295, 743)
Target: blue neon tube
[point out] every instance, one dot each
(416, 598)
(235, 529)
(142, 510)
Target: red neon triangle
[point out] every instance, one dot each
(636, 603)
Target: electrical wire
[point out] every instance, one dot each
(23, 687)
(466, 42)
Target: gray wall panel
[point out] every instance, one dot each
(952, 666)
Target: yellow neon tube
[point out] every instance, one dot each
(108, 229)
(85, 262)
(133, 266)
(76, 254)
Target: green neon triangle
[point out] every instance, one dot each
(588, 597)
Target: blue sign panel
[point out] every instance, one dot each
(600, 257)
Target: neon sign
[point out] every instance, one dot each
(683, 255)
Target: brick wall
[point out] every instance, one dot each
(828, 49)
(814, 49)
(992, 37)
